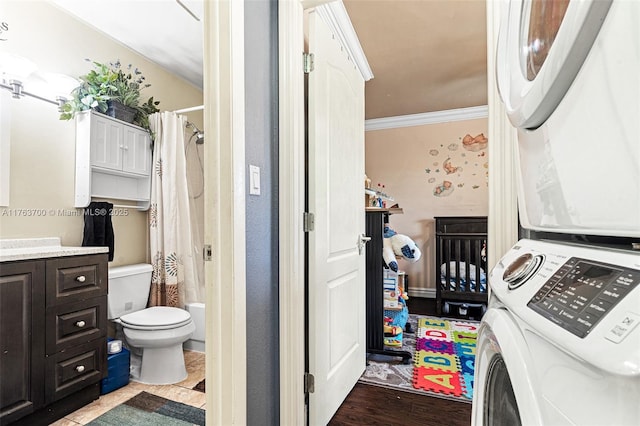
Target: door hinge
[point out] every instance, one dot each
(207, 252)
(309, 383)
(307, 59)
(309, 222)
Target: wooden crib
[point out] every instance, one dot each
(461, 266)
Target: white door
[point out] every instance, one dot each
(336, 283)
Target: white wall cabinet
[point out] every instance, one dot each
(113, 160)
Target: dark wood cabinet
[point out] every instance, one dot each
(53, 323)
(21, 343)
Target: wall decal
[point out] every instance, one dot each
(474, 144)
(443, 190)
(457, 177)
(449, 168)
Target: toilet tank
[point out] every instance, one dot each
(128, 289)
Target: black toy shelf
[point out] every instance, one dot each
(376, 218)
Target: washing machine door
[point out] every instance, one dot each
(541, 46)
(504, 387)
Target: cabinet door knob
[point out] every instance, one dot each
(80, 324)
(81, 279)
(80, 368)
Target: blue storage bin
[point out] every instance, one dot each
(118, 371)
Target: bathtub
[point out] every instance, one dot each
(196, 343)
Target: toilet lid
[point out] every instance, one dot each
(156, 317)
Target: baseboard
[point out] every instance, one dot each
(427, 293)
(194, 345)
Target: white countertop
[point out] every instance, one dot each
(38, 248)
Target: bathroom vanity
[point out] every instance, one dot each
(53, 328)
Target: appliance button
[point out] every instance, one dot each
(613, 293)
(623, 328)
(587, 319)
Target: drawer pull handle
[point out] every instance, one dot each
(80, 368)
(81, 279)
(80, 324)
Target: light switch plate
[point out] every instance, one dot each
(254, 180)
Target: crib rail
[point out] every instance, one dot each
(461, 272)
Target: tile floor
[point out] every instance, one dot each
(180, 392)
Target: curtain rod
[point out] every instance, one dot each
(195, 108)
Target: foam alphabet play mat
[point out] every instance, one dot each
(445, 356)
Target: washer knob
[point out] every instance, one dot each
(521, 269)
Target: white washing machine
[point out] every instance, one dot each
(560, 341)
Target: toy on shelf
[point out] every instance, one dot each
(398, 245)
(396, 317)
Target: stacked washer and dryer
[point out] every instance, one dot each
(560, 342)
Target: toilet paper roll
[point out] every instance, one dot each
(114, 346)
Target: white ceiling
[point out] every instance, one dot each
(167, 32)
(426, 55)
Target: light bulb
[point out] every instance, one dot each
(51, 85)
(15, 67)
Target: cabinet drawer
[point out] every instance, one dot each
(74, 369)
(71, 279)
(73, 324)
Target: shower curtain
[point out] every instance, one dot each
(175, 280)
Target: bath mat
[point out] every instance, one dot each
(444, 358)
(200, 387)
(149, 409)
(392, 373)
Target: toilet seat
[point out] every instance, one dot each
(156, 318)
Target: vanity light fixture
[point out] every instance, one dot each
(14, 70)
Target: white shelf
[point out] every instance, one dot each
(379, 194)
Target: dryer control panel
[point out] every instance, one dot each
(582, 292)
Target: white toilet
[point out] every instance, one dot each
(153, 335)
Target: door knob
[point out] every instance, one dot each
(362, 240)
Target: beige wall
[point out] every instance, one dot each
(43, 147)
(412, 163)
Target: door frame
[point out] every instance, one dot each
(291, 209)
(224, 203)
(503, 203)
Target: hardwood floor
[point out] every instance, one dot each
(374, 405)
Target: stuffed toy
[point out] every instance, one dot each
(394, 244)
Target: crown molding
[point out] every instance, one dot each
(436, 117)
(337, 18)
